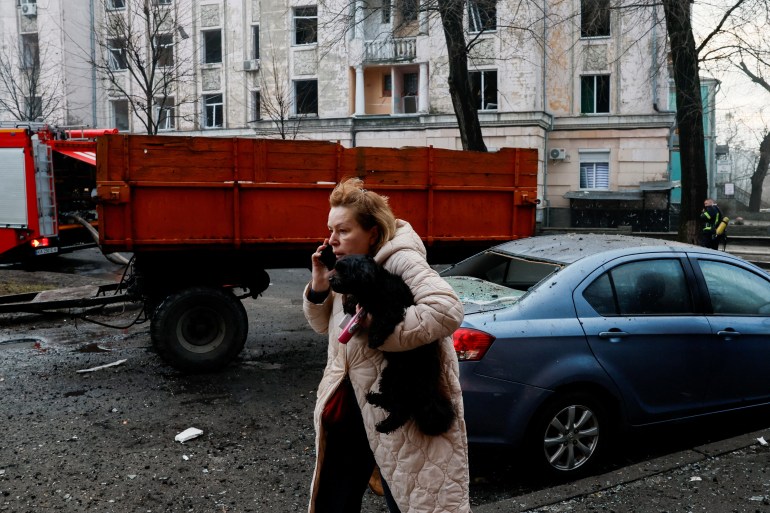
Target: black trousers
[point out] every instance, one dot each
(348, 464)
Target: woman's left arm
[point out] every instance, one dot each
(437, 311)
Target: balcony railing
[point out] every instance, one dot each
(390, 50)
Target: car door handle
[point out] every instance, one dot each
(613, 335)
(729, 333)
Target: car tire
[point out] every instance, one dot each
(569, 435)
(199, 329)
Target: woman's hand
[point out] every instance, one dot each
(320, 274)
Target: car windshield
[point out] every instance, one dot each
(482, 296)
(493, 280)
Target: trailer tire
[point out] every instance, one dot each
(199, 329)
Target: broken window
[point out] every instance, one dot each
(482, 15)
(594, 18)
(306, 97)
(117, 54)
(484, 89)
(305, 25)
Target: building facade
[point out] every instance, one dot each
(582, 84)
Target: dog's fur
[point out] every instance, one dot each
(410, 386)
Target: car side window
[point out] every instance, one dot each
(646, 287)
(734, 290)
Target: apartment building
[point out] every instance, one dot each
(44, 49)
(582, 84)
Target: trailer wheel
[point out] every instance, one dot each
(199, 329)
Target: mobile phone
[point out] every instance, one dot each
(327, 257)
(351, 327)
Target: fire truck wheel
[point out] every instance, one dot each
(199, 329)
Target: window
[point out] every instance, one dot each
(735, 291)
(165, 114)
(484, 89)
(594, 18)
(594, 94)
(482, 15)
(411, 84)
(161, 2)
(595, 169)
(33, 108)
(117, 54)
(305, 25)
(213, 111)
(648, 287)
(30, 51)
(255, 41)
(256, 106)
(409, 10)
(164, 47)
(306, 97)
(212, 46)
(120, 114)
(385, 11)
(387, 85)
(116, 4)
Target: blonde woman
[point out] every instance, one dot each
(420, 473)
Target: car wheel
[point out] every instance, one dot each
(199, 329)
(568, 435)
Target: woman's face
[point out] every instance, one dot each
(346, 235)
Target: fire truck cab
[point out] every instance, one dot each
(46, 178)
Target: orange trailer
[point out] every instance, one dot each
(206, 216)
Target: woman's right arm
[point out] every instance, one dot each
(317, 297)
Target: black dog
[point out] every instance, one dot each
(410, 386)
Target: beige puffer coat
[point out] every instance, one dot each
(425, 474)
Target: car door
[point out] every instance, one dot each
(639, 318)
(740, 327)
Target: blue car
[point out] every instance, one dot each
(570, 339)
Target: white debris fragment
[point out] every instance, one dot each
(757, 498)
(100, 367)
(762, 441)
(188, 434)
(695, 478)
(185, 457)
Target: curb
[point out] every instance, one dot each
(531, 502)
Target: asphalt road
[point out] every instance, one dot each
(104, 440)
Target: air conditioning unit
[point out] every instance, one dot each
(28, 9)
(252, 65)
(557, 154)
(410, 104)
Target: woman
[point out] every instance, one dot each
(420, 473)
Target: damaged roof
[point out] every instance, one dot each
(571, 247)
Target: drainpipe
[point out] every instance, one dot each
(92, 39)
(546, 202)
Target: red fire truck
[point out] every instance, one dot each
(46, 178)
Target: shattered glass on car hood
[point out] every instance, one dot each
(482, 296)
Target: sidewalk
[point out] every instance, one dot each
(731, 475)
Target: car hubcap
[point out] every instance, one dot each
(571, 437)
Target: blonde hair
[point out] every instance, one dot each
(370, 209)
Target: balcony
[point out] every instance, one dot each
(390, 50)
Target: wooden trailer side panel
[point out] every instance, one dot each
(166, 193)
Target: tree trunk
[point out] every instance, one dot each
(459, 84)
(758, 178)
(689, 116)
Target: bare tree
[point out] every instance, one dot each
(277, 103)
(28, 92)
(141, 57)
(744, 45)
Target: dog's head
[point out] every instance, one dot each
(354, 274)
